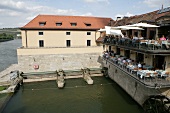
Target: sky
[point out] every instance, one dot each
(17, 13)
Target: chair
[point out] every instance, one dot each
(147, 75)
(143, 45)
(158, 44)
(163, 47)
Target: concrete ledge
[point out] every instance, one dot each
(68, 50)
(54, 78)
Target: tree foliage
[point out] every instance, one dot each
(6, 36)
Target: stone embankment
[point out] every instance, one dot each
(4, 75)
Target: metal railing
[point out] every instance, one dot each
(148, 82)
(136, 44)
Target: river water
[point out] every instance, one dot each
(105, 96)
(8, 53)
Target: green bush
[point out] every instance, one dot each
(2, 88)
(6, 36)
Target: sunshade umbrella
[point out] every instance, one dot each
(126, 28)
(142, 25)
(116, 32)
(110, 31)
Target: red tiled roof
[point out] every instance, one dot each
(51, 20)
(163, 14)
(148, 17)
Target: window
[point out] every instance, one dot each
(41, 43)
(88, 33)
(68, 33)
(73, 24)
(58, 23)
(42, 23)
(87, 24)
(41, 33)
(88, 42)
(68, 43)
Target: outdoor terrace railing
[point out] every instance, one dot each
(138, 44)
(148, 81)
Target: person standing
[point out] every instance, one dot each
(139, 65)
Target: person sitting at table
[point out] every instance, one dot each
(135, 37)
(163, 38)
(139, 65)
(125, 36)
(129, 61)
(140, 37)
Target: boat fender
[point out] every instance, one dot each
(36, 66)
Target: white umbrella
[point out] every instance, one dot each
(116, 32)
(126, 28)
(142, 25)
(110, 31)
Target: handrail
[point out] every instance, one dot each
(136, 79)
(138, 45)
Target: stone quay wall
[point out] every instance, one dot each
(53, 62)
(137, 91)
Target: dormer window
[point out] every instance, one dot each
(73, 24)
(88, 24)
(58, 23)
(42, 23)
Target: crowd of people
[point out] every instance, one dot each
(139, 69)
(120, 60)
(159, 43)
(134, 37)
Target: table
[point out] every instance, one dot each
(162, 73)
(132, 68)
(147, 73)
(147, 67)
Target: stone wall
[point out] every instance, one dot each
(53, 62)
(136, 90)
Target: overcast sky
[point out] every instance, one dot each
(16, 13)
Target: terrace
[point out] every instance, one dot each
(146, 75)
(146, 46)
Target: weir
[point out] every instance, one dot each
(15, 80)
(86, 76)
(61, 75)
(60, 78)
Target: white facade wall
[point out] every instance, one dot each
(57, 38)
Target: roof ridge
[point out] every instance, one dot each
(96, 22)
(74, 16)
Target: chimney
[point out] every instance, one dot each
(118, 18)
(111, 22)
(125, 17)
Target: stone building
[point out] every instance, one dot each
(159, 17)
(50, 42)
